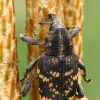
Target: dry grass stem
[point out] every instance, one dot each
(9, 79)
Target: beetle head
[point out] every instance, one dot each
(52, 17)
(56, 24)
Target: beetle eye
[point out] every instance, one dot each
(49, 16)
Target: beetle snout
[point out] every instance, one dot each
(51, 16)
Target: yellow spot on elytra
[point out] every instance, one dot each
(40, 90)
(57, 74)
(69, 72)
(51, 84)
(51, 72)
(75, 77)
(66, 92)
(53, 95)
(71, 98)
(71, 83)
(38, 71)
(48, 80)
(54, 74)
(45, 79)
(41, 76)
(50, 89)
(53, 90)
(49, 99)
(45, 98)
(56, 92)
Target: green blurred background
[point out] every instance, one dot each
(91, 44)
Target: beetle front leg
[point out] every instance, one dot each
(82, 67)
(30, 40)
(29, 68)
(75, 31)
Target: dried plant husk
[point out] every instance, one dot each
(9, 75)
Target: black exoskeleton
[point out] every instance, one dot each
(58, 66)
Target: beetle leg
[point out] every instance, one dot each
(75, 31)
(30, 40)
(27, 86)
(29, 68)
(82, 67)
(80, 91)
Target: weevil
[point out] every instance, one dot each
(58, 66)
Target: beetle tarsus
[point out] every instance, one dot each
(30, 40)
(27, 86)
(87, 80)
(82, 68)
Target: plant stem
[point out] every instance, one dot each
(9, 76)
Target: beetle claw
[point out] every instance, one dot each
(27, 86)
(87, 80)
